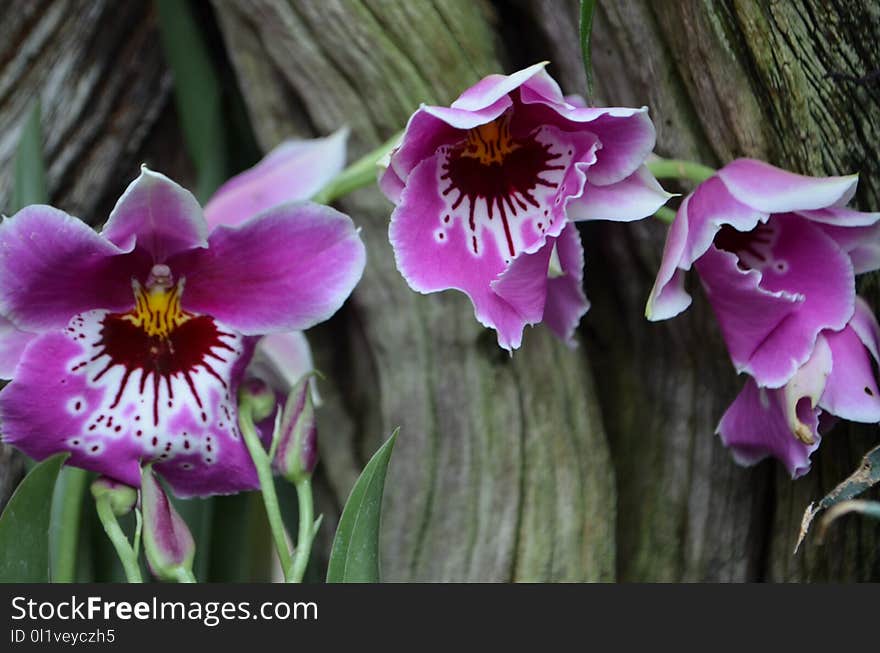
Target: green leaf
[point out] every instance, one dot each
(866, 476)
(355, 554)
(24, 525)
(30, 172)
(197, 93)
(586, 28)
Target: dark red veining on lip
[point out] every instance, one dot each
(507, 185)
(181, 353)
(745, 242)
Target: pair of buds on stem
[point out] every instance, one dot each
(169, 546)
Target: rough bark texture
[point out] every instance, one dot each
(551, 465)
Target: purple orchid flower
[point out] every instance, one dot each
(138, 337)
(777, 254)
(294, 170)
(486, 190)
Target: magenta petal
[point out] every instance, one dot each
(523, 285)
(767, 188)
(494, 87)
(864, 323)
(391, 184)
(12, 345)
(288, 269)
(747, 313)
(566, 302)
(851, 389)
(45, 410)
(157, 215)
(809, 264)
(53, 266)
(771, 317)
(293, 171)
(755, 427)
(668, 297)
(634, 198)
(434, 255)
(696, 223)
(862, 244)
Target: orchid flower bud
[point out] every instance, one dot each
(297, 452)
(259, 396)
(168, 544)
(121, 497)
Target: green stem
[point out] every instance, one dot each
(306, 530)
(267, 485)
(358, 175)
(120, 542)
(679, 169)
(67, 508)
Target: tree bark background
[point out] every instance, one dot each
(594, 464)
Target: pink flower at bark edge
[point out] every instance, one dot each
(138, 337)
(777, 254)
(486, 191)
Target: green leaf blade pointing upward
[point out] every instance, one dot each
(30, 171)
(24, 525)
(355, 554)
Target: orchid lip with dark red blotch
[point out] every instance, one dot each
(136, 349)
(487, 189)
(777, 254)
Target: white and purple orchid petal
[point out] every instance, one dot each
(435, 254)
(12, 345)
(710, 209)
(840, 216)
(158, 216)
(523, 285)
(862, 244)
(787, 259)
(112, 395)
(747, 313)
(295, 170)
(428, 129)
(627, 134)
(492, 88)
(851, 391)
(289, 353)
(864, 323)
(755, 427)
(282, 359)
(566, 302)
(807, 383)
(391, 184)
(698, 220)
(53, 266)
(287, 269)
(634, 198)
(771, 189)
(668, 296)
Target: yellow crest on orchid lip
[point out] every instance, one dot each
(157, 307)
(491, 142)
